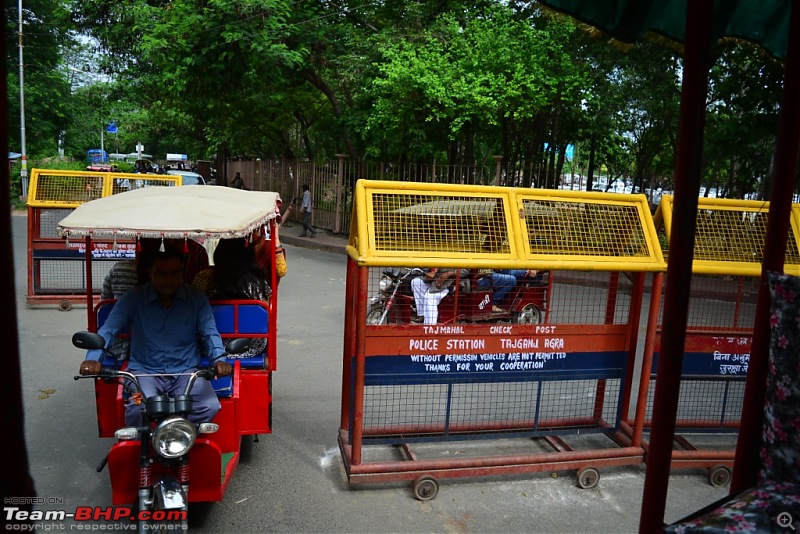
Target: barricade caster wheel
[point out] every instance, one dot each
(719, 475)
(426, 488)
(65, 305)
(588, 477)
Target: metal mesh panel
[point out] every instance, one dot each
(575, 297)
(441, 411)
(72, 188)
(579, 297)
(68, 188)
(705, 405)
(728, 232)
(723, 301)
(67, 277)
(443, 223)
(48, 222)
(560, 227)
(735, 236)
(720, 302)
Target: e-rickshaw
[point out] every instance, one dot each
(204, 216)
(468, 299)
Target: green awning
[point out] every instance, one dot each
(763, 22)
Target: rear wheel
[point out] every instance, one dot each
(529, 314)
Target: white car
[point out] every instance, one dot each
(188, 177)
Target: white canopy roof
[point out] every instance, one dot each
(196, 212)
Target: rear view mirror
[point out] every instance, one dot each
(88, 340)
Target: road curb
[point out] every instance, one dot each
(315, 243)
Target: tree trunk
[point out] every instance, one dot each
(315, 80)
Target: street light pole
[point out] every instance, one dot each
(23, 172)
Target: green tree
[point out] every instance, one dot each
(46, 35)
(485, 83)
(742, 120)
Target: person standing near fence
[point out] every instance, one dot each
(305, 209)
(238, 182)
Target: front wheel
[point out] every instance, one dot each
(375, 314)
(170, 507)
(529, 314)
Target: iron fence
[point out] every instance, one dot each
(331, 181)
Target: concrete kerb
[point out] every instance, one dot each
(323, 241)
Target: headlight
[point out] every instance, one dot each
(173, 437)
(386, 283)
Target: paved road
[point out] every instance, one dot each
(292, 480)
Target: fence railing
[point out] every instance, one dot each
(331, 181)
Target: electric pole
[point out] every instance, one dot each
(23, 172)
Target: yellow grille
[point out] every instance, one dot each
(730, 236)
(445, 225)
(69, 189)
(455, 224)
(561, 227)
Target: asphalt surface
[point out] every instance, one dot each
(293, 480)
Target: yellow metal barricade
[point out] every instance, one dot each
(729, 244)
(441, 348)
(56, 272)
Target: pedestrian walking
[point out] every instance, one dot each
(305, 209)
(238, 182)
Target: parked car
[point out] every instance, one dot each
(188, 177)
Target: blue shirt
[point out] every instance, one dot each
(163, 340)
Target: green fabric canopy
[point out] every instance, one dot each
(763, 22)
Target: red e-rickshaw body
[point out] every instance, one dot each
(525, 303)
(246, 395)
(467, 300)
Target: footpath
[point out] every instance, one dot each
(324, 241)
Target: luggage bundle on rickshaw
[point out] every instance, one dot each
(202, 216)
(464, 395)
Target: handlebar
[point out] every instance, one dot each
(93, 341)
(107, 372)
(402, 272)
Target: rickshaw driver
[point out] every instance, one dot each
(165, 316)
